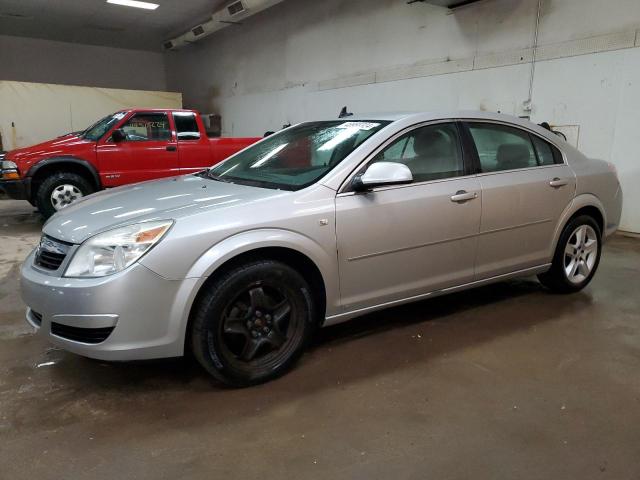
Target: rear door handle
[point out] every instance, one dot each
(557, 182)
(171, 148)
(462, 196)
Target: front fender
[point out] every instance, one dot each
(66, 159)
(237, 244)
(247, 241)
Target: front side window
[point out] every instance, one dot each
(144, 127)
(186, 125)
(430, 152)
(296, 157)
(502, 148)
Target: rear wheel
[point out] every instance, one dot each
(576, 258)
(253, 323)
(59, 191)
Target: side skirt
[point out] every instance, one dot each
(343, 317)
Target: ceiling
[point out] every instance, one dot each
(96, 22)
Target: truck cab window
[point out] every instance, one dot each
(186, 125)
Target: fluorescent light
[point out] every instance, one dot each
(135, 4)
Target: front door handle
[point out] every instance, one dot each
(462, 196)
(171, 148)
(557, 182)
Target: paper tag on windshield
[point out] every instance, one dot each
(359, 125)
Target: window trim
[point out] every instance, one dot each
(346, 188)
(476, 157)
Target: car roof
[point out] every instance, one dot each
(439, 115)
(142, 109)
(408, 118)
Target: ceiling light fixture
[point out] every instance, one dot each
(135, 4)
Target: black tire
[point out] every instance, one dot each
(557, 279)
(49, 184)
(247, 306)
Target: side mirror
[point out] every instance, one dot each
(382, 173)
(118, 136)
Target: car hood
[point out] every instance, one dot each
(172, 198)
(58, 146)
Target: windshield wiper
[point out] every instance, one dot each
(218, 178)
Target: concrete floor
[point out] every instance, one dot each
(507, 381)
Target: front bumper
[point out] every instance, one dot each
(17, 189)
(140, 314)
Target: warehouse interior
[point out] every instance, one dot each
(504, 381)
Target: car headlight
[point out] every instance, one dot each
(113, 251)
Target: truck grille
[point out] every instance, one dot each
(51, 253)
(84, 335)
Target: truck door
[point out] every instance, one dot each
(194, 148)
(148, 151)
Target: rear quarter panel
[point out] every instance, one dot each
(597, 179)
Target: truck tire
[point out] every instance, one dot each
(59, 190)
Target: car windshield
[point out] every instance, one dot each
(297, 157)
(102, 126)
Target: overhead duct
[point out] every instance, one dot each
(452, 4)
(233, 13)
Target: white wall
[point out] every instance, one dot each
(305, 59)
(45, 61)
(33, 112)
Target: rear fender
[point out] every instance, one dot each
(581, 201)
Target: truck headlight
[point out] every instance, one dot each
(113, 251)
(9, 170)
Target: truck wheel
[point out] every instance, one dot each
(60, 190)
(252, 323)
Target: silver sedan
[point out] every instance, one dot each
(312, 226)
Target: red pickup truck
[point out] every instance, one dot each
(126, 147)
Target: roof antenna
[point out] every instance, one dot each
(344, 113)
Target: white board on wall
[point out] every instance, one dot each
(34, 112)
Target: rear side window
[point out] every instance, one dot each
(186, 125)
(502, 148)
(547, 153)
(147, 126)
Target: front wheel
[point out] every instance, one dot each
(253, 323)
(576, 258)
(60, 190)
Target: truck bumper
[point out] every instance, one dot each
(17, 189)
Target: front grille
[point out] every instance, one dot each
(49, 260)
(84, 335)
(51, 253)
